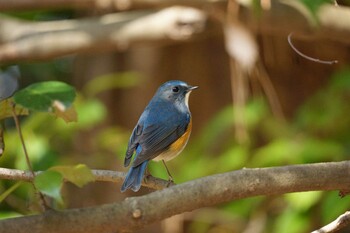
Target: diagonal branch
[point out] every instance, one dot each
(341, 222)
(136, 212)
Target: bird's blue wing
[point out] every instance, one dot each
(133, 142)
(157, 138)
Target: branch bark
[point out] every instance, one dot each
(341, 222)
(136, 212)
(21, 40)
(100, 175)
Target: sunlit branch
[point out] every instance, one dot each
(341, 222)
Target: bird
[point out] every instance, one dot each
(161, 132)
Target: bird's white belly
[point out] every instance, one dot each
(169, 155)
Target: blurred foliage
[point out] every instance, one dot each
(309, 8)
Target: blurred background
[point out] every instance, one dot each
(280, 109)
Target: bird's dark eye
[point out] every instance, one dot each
(175, 89)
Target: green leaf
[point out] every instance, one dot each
(9, 191)
(78, 175)
(50, 183)
(45, 96)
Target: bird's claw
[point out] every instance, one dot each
(170, 182)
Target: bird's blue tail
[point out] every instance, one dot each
(134, 177)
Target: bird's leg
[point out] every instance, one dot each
(170, 178)
(147, 175)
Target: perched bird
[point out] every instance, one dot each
(161, 133)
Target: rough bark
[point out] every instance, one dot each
(136, 212)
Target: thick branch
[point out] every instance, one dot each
(100, 175)
(20, 40)
(134, 213)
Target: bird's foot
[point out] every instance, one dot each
(170, 182)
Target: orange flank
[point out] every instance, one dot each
(180, 143)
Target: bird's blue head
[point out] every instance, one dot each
(175, 91)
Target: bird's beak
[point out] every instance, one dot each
(191, 88)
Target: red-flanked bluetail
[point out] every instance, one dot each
(161, 133)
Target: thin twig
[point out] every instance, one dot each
(99, 175)
(239, 95)
(308, 57)
(341, 222)
(18, 127)
(269, 90)
(41, 198)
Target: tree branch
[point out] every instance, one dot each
(21, 40)
(341, 222)
(136, 212)
(100, 175)
(17, 5)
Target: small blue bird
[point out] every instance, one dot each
(161, 133)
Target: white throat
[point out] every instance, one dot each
(187, 96)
